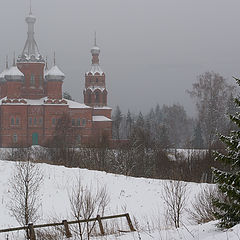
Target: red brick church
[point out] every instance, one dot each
(32, 101)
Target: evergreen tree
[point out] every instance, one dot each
(117, 119)
(67, 95)
(129, 122)
(229, 181)
(197, 141)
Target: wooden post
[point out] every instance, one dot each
(31, 232)
(66, 227)
(100, 224)
(130, 223)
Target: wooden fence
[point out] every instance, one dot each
(30, 228)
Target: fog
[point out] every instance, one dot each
(151, 50)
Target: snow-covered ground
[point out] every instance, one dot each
(141, 197)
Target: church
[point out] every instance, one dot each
(32, 103)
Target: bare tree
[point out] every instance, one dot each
(24, 196)
(203, 207)
(85, 203)
(175, 196)
(211, 93)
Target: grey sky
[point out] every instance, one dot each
(151, 50)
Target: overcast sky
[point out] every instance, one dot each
(151, 50)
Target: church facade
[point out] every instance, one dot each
(32, 103)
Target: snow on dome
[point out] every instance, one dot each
(14, 74)
(2, 75)
(31, 18)
(95, 50)
(55, 74)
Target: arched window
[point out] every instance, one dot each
(97, 97)
(53, 121)
(40, 80)
(78, 138)
(89, 97)
(15, 138)
(12, 121)
(32, 80)
(17, 121)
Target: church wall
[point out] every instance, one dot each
(32, 89)
(13, 122)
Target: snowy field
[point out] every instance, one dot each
(141, 197)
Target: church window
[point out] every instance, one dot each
(78, 138)
(89, 98)
(40, 121)
(30, 121)
(40, 80)
(12, 121)
(97, 97)
(17, 121)
(32, 82)
(15, 138)
(35, 121)
(96, 80)
(78, 122)
(73, 122)
(53, 121)
(84, 122)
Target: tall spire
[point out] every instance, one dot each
(7, 62)
(14, 59)
(54, 58)
(30, 6)
(30, 51)
(46, 64)
(95, 38)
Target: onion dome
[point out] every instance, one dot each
(95, 50)
(14, 74)
(55, 74)
(2, 75)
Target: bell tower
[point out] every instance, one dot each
(95, 92)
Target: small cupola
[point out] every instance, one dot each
(3, 73)
(54, 74)
(14, 74)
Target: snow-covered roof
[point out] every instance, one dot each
(101, 119)
(95, 69)
(104, 107)
(54, 74)
(44, 101)
(14, 74)
(55, 71)
(2, 75)
(73, 104)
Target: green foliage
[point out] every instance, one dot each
(229, 181)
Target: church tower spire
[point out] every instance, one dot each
(95, 93)
(30, 51)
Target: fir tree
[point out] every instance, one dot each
(197, 141)
(229, 181)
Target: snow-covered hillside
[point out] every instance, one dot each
(141, 197)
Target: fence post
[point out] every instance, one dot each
(100, 224)
(31, 232)
(66, 227)
(130, 222)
